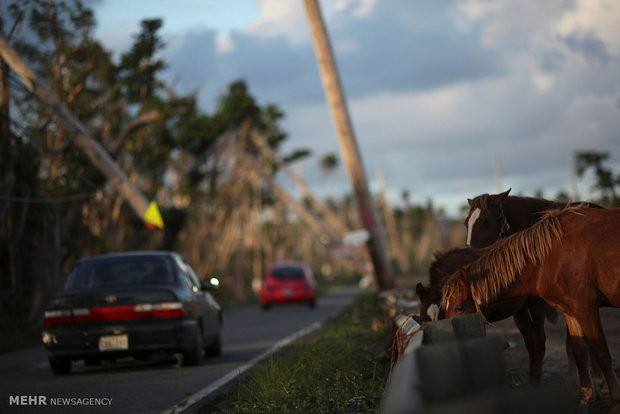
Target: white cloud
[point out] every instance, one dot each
(359, 8)
(281, 18)
(288, 18)
(601, 18)
(224, 43)
(365, 8)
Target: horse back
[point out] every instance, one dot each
(590, 249)
(523, 212)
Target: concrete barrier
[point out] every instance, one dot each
(451, 366)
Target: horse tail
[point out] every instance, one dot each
(551, 313)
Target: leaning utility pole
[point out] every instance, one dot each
(83, 138)
(348, 147)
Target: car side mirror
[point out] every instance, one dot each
(212, 284)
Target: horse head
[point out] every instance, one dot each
(485, 222)
(430, 299)
(457, 297)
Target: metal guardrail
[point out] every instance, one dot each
(452, 366)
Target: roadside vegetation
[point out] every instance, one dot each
(342, 368)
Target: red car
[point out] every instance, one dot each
(288, 282)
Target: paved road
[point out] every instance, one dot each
(148, 387)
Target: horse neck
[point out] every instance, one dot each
(454, 259)
(525, 284)
(523, 212)
(451, 261)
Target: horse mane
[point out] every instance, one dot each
(508, 257)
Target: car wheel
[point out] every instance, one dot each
(194, 356)
(312, 304)
(266, 306)
(92, 361)
(60, 366)
(215, 349)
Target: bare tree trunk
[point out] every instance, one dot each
(135, 125)
(328, 216)
(394, 239)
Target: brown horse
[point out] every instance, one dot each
(492, 217)
(570, 258)
(528, 313)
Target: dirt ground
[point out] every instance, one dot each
(555, 362)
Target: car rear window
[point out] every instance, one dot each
(121, 272)
(287, 273)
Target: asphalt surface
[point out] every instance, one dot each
(128, 386)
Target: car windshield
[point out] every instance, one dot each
(120, 272)
(287, 273)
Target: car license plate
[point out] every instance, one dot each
(113, 343)
(287, 293)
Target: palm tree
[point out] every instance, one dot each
(329, 163)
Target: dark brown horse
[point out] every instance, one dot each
(571, 259)
(494, 216)
(528, 313)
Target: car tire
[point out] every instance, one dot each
(215, 349)
(92, 361)
(194, 356)
(312, 304)
(60, 366)
(266, 306)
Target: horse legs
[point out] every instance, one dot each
(530, 320)
(570, 356)
(580, 354)
(595, 371)
(593, 330)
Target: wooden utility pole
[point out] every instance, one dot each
(83, 138)
(498, 175)
(348, 147)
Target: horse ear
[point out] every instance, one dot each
(420, 291)
(470, 202)
(498, 198)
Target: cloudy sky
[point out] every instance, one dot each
(440, 92)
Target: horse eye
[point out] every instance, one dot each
(459, 308)
(486, 221)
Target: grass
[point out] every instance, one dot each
(343, 367)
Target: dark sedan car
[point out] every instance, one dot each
(131, 304)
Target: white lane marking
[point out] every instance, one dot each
(433, 312)
(209, 389)
(470, 224)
